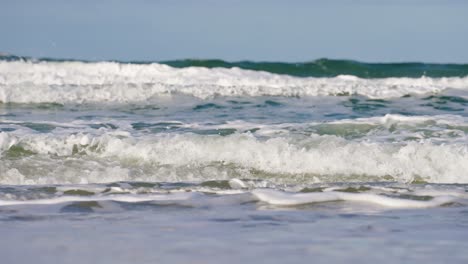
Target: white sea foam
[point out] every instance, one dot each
(195, 196)
(276, 197)
(6, 141)
(127, 198)
(317, 158)
(389, 119)
(77, 82)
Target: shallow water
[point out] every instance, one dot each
(114, 162)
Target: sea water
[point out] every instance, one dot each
(210, 161)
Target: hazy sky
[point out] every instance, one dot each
(368, 30)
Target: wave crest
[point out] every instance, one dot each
(79, 82)
(196, 157)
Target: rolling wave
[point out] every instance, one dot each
(84, 158)
(80, 82)
(317, 68)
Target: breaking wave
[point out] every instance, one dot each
(25, 81)
(83, 158)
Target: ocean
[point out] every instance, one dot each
(207, 161)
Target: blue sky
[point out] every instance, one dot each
(376, 31)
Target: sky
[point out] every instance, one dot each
(257, 30)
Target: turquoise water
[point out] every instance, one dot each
(190, 161)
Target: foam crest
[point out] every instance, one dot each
(227, 193)
(198, 157)
(6, 141)
(390, 119)
(277, 197)
(127, 198)
(79, 82)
